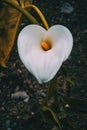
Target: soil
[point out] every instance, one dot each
(16, 114)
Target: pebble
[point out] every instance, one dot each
(41, 93)
(20, 95)
(67, 8)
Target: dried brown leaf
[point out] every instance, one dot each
(9, 23)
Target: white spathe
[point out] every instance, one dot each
(44, 64)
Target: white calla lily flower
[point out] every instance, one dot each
(44, 61)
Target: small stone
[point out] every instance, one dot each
(20, 95)
(8, 128)
(67, 8)
(32, 113)
(8, 123)
(41, 93)
(67, 105)
(2, 108)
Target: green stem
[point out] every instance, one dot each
(41, 15)
(52, 90)
(22, 3)
(44, 108)
(23, 11)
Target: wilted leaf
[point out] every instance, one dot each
(9, 23)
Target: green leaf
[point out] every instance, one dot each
(46, 108)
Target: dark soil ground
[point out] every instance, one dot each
(16, 114)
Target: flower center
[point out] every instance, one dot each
(46, 45)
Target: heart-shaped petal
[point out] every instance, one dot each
(44, 64)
